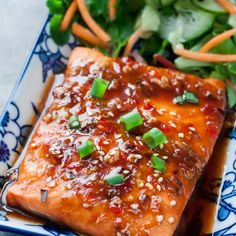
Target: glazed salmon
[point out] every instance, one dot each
(118, 188)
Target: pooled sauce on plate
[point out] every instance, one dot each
(199, 215)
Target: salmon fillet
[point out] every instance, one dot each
(56, 183)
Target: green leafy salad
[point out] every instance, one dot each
(154, 29)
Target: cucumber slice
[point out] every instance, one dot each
(189, 23)
(186, 64)
(210, 5)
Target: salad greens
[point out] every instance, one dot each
(165, 24)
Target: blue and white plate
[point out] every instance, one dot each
(23, 109)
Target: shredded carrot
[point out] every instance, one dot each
(207, 57)
(228, 6)
(68, 16)
(217, 40)
(91, 22)
(132, 40)
(87, 35)
(112, 9)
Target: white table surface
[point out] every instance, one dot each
(19, 26)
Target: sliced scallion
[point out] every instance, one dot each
(131, 120)
(115, 179)
(190, 97)
(158, 163)
(179, 100)
(86, 148)
(73, 122)
(187, 97)
(154, 137)
(99, 87)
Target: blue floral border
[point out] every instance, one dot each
(10, 125)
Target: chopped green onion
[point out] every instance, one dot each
(158, 163)
(115, 179)
(186, 97)
(190, 97)
(86, 149)
(99, 87)
(131, 120)
(154, 137)
(179, 100)
(73, 122)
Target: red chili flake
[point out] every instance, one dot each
(122, 159)
(148, 106)
(164, 128)
(212, 129)
(116, 209)
(209, 109)
(100, 142)
(62, 121)
(109, 126)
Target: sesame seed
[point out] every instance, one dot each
(192, 129)
(117, 136)
(160, 180)
(68, 186)
(140, 183)
(172, 124)
(152, 72)
(134, 157)
(51, 184)
(173, 203)
(33, 145)
(86, 205)
(157, 171)
(159, 218)
(49, 179)
(131, 86)
(134, 206)
(181, 135)
(105, 142)
(161, 146)
(110, 114)
(118, 106)
(163, 109)
(69, 175)
(149, 179)
(165, 157)
(127, 92)
(158, 187)
(160, 112)
(101, 153)
(172, 113)
(171, 220)
(126, 172)
(149, 186)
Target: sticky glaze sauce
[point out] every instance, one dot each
(199, 215)
(93, 192)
